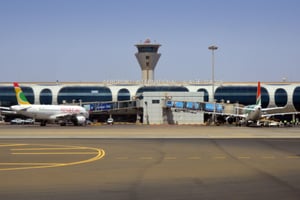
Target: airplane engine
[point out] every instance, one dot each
(230, 119)
(80, 120)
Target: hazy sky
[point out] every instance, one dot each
(93, 40)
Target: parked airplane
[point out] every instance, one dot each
(253, 113)
(48, 113)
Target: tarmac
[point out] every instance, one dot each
(146, 131)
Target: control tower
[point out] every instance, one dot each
(147, 57)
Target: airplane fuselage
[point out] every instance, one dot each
(49, 112)
(252, 113)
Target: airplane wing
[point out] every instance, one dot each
(63, 116)
(227, 114)
(275, 108)
(277, 114)
(5, 108)
(8, 112)
(288, 110)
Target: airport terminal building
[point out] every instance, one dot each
(280, 94)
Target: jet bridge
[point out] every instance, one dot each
(120, 111)
(98, 107)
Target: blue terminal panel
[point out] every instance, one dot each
(190, 105)
(179, 104)
(100, 106)
(196, 106)
(209, 107)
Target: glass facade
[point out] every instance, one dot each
(245, 95)
(296, 98)
(123, 95)
(206, 98)
(281, 97)
(46, 97)
(8, 95)
(161, 89)
(85, 94)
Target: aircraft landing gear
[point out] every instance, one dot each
(43, 123)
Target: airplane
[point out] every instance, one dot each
(47, 113)
(254, 113)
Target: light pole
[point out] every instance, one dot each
(213, 48)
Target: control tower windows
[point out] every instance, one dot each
(146, 49)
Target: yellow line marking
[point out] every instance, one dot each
(12, 145)
(170, 158)
(55, 153)
(100, 153)
(42, 149)
(292, 157)
(194, 158)
(30, 163)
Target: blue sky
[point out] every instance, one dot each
(93, 40)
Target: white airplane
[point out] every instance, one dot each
(254, 113)
(48, 113)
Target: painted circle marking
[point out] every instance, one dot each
(23, 150)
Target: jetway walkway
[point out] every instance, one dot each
(106, 107)
(207, 107)
(196, 106)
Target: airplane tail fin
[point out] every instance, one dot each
(21, 98)
(258, 95)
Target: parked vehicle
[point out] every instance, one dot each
(29, 121)
(18, 121)
(110, 121)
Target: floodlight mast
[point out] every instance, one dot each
(213, 48)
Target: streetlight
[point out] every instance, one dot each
(213, 48)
